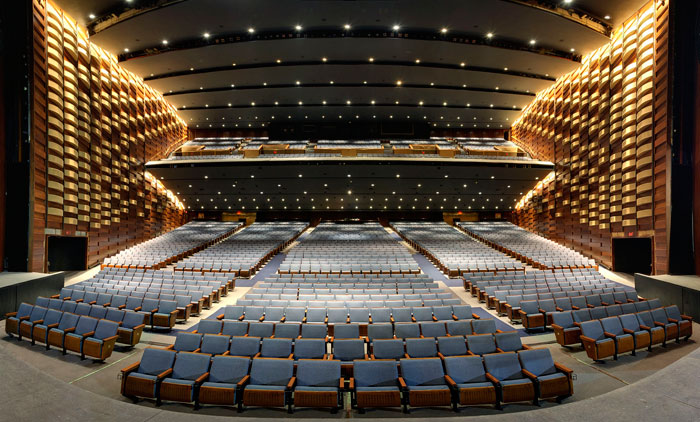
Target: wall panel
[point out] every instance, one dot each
(100, 125)
(604, 127)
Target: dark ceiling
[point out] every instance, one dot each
(350, 184)
(370, 70)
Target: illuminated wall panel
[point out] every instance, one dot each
(603, 125)
(95, 126)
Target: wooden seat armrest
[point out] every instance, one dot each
(341, 384)
(526, 347)
(402, 383)
(351, 385)
(687, 317)
(475, 316)
(38, 321)
(441, 356)
(366, 357)
(659, 324)
(93, 302)
(24, 318)
(130, 368)
(243, 381)
(470, 353)
(89, 334)
(56, 296)
(644, 327)
(563, 368)
(170, 347)
(575, 308)
(605, 303)
(240, 318)
(121, 307)
(173, 313)
(587, 339)
(406, 356)
(558, 327)
(10, 314)
(220, 316)
(454, 318)
(106, 304)
(499, 331)
(617, 302)
(325, 321)
(202, 378)
(559, 309)
(165, 374)
(154, 311)
(675, 321)
(390, 318)
(108, 339)
(291, 383)
(529, 374)
(68, 330)
(261, 319)
(542, 311)
(627, 331)
(492, 379)
(226, 353)
(577, 324)
(413, 319)
(50, 326)
(589, 305)
(499, 350)
(450, 381)
(138, 308)
(257, 355)
(330, 356)
(291, 356)
(609, 335)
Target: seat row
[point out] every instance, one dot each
(384, 330)
(343, 315)
(184, 304)
(200, 299)
(333, 278)
(82, 334)
(609, 336)
(493, 294)
(166, 375)
(348, 303)
(512, 304)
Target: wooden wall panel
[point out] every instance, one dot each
(604, 127)
(95, 126)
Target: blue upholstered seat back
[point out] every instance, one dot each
(452, 346)
(228, 369)
(508, 342)
(114, 314)
(187, 342)
(276, 347)
(459, 328)
(156, 361)
(346, 331)
(433, 329)
(592, 329)
(209, 326)
(348, 349)
(309, 348)
(483, 326)
(244, 346)
(581, 315)
(379, 331)
(132, 319)
(166, 306)
(52, 317)
(537, 361)
(314, 330)
(388, 349)
(68, 320)
(214, 344)
(465, 369)
(503, 366)
(190, 366)
(105, 329)
(318, 373)
(375, 373)
(612, 325)
(233, 312)
(673, 312)
(37, 313)
(481, 344)
(421, 347)
(85, 325)
(271, 371)
(422, 371)
(234, 328)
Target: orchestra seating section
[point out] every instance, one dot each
(172, 246)
(435, 147)
(526, 246)
(357, 249)
(245, 252)
(452, 251)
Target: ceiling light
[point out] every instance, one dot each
(324, 102)
(607, 17)
(533, 42)
(462, 64)
(443, 30)
(298, 27)
(489, 35)
(420, 102)
(165, 42)
(324, 59)
(331, 82)
(395, 27)
(253, 103)
(91, 16)
(278, 61)
(251, 30)
(572, 49)
(348, 102)
(398, 82)
(126, 50)
(372, 102)
(346, 26)
(298, 82)
(371, 59)
(206, 35)
(417, 60)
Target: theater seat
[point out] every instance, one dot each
(565, 331)
(375, 384)
(597, 345)
(684, 322)
(270, 383)
(143, 378)
(223, 387)
(550, 378)
(189, 372)
(467, 379)
(101, 344)
(319, 384)
(424, 383)
(512, 385)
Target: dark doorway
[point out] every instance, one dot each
(65, 253)
(632, 255)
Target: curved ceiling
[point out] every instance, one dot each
(246, 63)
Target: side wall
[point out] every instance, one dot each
(605, 127)
(94, 127)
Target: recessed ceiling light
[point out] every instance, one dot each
(206, 35)
(533, 42)
(298, 82)
(324, 59)
(331, 82)
(346, 26)
(395, 27)
(165, 42)
(371, 59)
(278, 61)
(572, 49)
(417, 60)
(323, 102)
(251, 30)
(398, 82)
(298, 27)
(607, 17)
(443, 30)
(420, 102)
(126, 50)
(91, 16)
(348, 102)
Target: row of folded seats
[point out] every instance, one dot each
(335, 278)
(488, 288)
(186, 304)
(384, 330)
(378, 301)
(512, 304)
(634, 329)
(349, 346)
(88, 334)
(209, 291)
(526, 376)
(158, 313)
(492, 296)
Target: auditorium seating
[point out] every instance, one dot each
(244, 252)
(174, 245)
(526, 246)
(452, 251)
(349, 249)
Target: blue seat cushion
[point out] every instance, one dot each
(515, 382)
(427, 387)
(219, 385)
(550, 377)
(266, 387)
(378, 388)
(571, 329)
(475, 385)
(314, 388)
(605, 340)
(144, 376)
